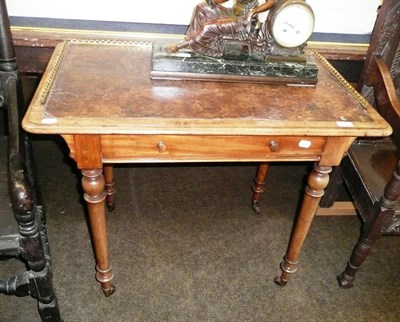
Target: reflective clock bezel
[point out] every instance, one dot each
(277, 36)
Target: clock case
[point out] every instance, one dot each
(272, 46)
(258, 59)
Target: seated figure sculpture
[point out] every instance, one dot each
(211, 22)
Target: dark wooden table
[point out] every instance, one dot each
(99, 97)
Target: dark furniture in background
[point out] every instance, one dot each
(22, 227)
(372, 169)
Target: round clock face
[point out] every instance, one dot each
(293, 25)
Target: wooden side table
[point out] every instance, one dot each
(99, 97)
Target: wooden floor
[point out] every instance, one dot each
(339, 208)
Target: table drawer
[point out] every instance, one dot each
(180, 148)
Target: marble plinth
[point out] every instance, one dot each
(236, 66)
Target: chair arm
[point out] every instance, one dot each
(387, 103)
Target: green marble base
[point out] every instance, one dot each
(236, 66)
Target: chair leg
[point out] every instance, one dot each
(37, 281)
(39, 286)
(372, 230)
(49, 312)
(259, 186)
(108, 171)
(332, 190)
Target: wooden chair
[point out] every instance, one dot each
(371, 171)
(22, 230)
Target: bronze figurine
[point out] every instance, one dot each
(212, 22)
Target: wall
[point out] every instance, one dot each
(332, 16)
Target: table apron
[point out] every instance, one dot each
(203, 148)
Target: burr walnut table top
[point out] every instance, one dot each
(105, 87)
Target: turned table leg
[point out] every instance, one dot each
(94, 193)
(317, 182)
(110, 186)
(259, 186)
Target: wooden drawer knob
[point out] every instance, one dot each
(273, 146)
(162, 147)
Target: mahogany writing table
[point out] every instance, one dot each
(99, 97)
